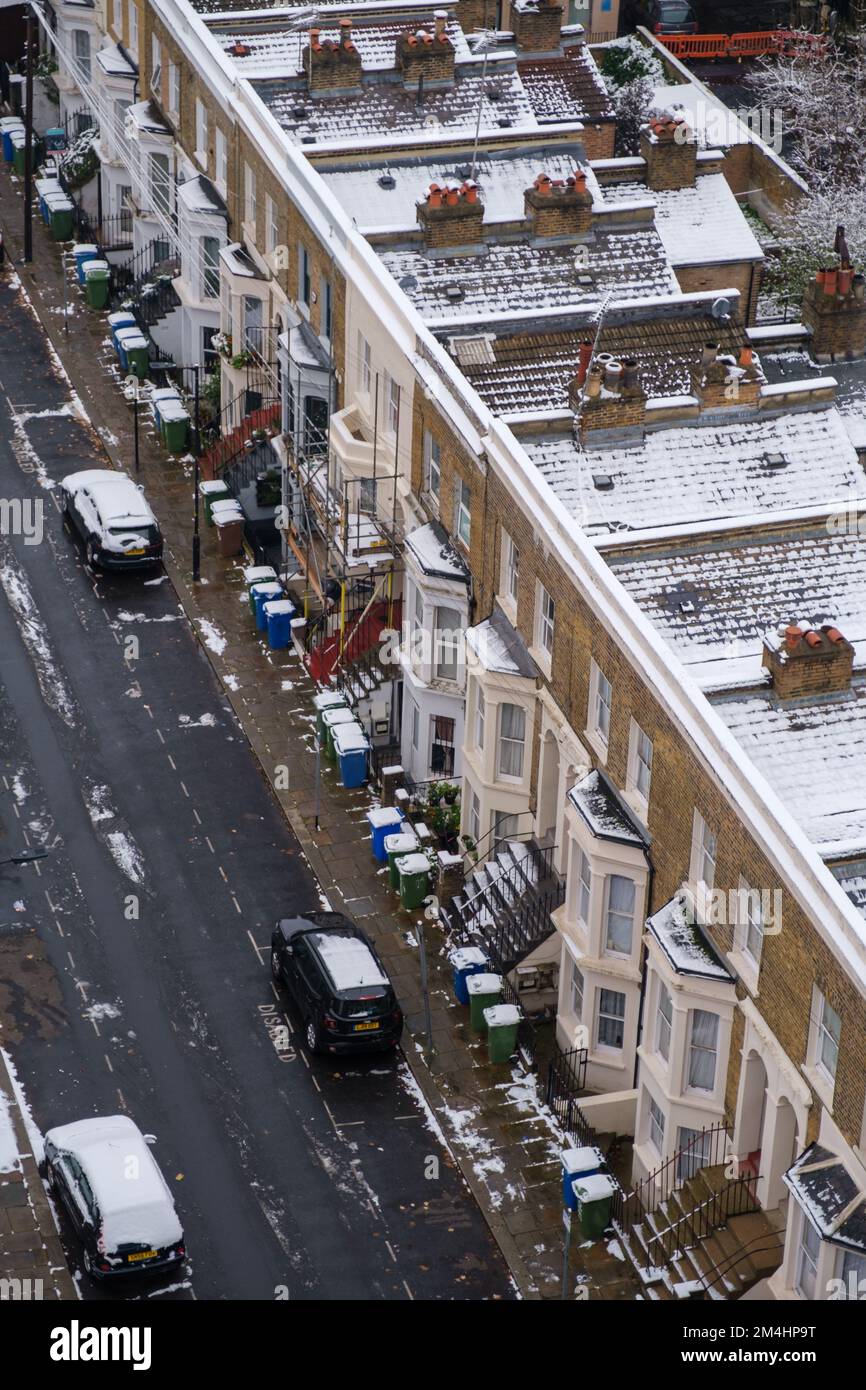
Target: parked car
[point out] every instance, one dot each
(119, 1203)
(112, 516)
(337, 981)
(663, 16)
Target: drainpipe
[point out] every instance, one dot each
(642, 1000)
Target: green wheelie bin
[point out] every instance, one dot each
(96, 283)
(593, 1197)
(503, 1021)
(484, 991)
(210, 491)
(404, 842)
(413, 872)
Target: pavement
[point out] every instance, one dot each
(488, 1120)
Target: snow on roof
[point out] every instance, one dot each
(145, 116)
(570, 83)
(238, 261)
(814, 754)
(434, 552)
(139, 1213)
(852, 878)
(683, 941)
(347, 959)
(703, 225)
(703, 472)
(114, 61)
(714, 602)
(499, 646)
(199, 195)
(714, 124)
(278, 52)
(830, 1196)
(502, 178)
(522, 275)
(602, 810)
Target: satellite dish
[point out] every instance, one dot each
(721, 308)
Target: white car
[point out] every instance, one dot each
(112, 516)
(123, 1212)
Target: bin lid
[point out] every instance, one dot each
(484, 984)
(129, 330)
(501, 1015)
(160, 393)
(122, 318)
(258, 574)
(230, 513)
(400, 844)
(328, 699)
(462, 957)
(8, 123)
(278, 605)
(173, 410)
(95, 267)
(350, 738)
(593, 1188)
(85, 248)
(229, 519)
(582, 1160)
(213, 486)
(133, 343)
(268, 588)
(413, 864)
(338, 715)
(384, 815)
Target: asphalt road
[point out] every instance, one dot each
(131, 970)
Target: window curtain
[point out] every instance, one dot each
(702, 1060)
(620, 914)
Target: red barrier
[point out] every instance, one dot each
(789, 43)
(696, 45)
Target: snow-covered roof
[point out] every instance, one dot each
(115, 62)
(278, 52)
(199, 195)
(521, 275)
(238, 261)
(714, 124)
(569, 83)
(852, 878)
(145, 115)
(499, 647)
(502, 177)
(830, 1197)
(432, 548)
(715, 599)
(347, 959)
(699, 473)
(133, 1213)
(684, 942)
(604, 813)
(703, 225)
(814, 754)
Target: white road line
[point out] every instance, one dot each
(330, 1115)
(315, 1082)
(159, 736)
(223, 872)
(408, 1290)
(95, 1027)
(275, 990)
(209, 845)
(108, 1061)
(407, 1117)
(288, 1024)
(79, 984)
(17, 812)
(183, 789)
(306, 1061)
(69, 958)
(237, 905)
(172, 761)
(49, 902)
(149, 710)
(197, 816)
(120, 1098)
(389, 1247)
(255, 947)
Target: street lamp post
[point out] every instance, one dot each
(28, 140)
(196, 449)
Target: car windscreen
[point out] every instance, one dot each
(357, 1003)
(674, 13)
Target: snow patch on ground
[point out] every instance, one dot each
(205, 721)
(97, 1012)
(232, 682)
(125, 617)
(34, 1134)
(213, 638)
(126, 855)
(8, 1147)
(35, 638)
(19, 791)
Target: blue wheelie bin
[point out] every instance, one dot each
(117, 322)
(279, 614)
(466, 961)
(350, 743)
(578, 1163)
(383, 820)
(262, 593)
(9, 126)
(83, 252)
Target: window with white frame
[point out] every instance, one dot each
(365, 365)
(392, 404)
(664, 1022)
(432, 465)
(416, 725)
(463, 511)
(703, 866)
(160, 183)
(807, 1259)
(81, 42)
(475, 817)
(600, 699)
(210, 267)
(505, 825)
(447, 636)
(610, 1029)
(418, 609)
(828, 1031)
(117, 18)
(640, 762)
(751, 923)
(250, 197)
(201, 132)
(619, 927)
(132, 12)
(657, 1128)
(272, 230)
(545, 610)
(576, 991)
(853, 1272)
(510, 569)
(221, 160)
(703, 1050)
(368, 498)
(694, 1149)
(512, 736)
(480, 710)
(584, 887)
(305, 280)
(253, 322)
(155, 65)
(174, 88)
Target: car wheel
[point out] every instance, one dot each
(87, 1261)
(91, 555)
(311, 1034)
(275, 964)
(49, 1179)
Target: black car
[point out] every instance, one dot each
(664, 16)
(337, 981)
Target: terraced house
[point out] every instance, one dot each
(523, 397)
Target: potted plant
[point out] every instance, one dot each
(242, 359)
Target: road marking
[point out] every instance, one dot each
(314, 1081)
(172, 761)
(223, 872)
(95, 1027)
(120, 1098)
(183, 789)
(159, 736)
(79, 984)
(389, 1247)
(209, 845)
(149, 710)
(108, 1061)
(257, 949)
(197, 816)
(17, 812)
(69, 958)
(237, 905)
(408, 1290)
(288, 1022)
(407, 1117)
(49, 902)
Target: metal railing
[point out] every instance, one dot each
(566, 1079)
(735, 1198)
(486, 846)
(706, 1149)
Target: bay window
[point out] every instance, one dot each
(664, 1022)
(807, 1260)
(703, 1048)
(611, 1018)
(447, 625)
(512, 735)
(576, 990)
(620, 915)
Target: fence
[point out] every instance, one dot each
(786, 43)
(705, 1149)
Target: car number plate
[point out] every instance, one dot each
(142, 1255)
(365, 1027)
(138, 551)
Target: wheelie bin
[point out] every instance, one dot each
(503, 1021)
(466, 961)
(404, 842)
(484, 991)
(382, 820)
(413, 871)
(351, 747)
(279, 614)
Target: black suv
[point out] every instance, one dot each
(664, 16)
(337, 981)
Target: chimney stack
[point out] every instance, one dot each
(333, 66)
(805, 661)
(669, 149)
(426, 55)
(834, 307)
(537, 25)
(613, 398)
(720, 382)
(451, 215)
(559, 207)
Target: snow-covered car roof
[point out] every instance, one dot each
(119, 499)
(134, 1199)
(348, 959)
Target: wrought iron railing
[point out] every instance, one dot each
(566, 1080)
(707, 1148)
(735, 1197)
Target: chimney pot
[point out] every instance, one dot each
(583, 360)
(792, 636)
(613, 376)
(834, 635)
(813, 638)
(709, 353)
